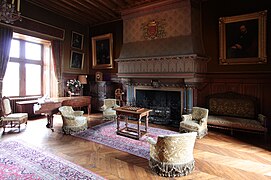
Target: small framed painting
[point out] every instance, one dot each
(102, 51)
(77, 40)
(242, 39)
(77, 60)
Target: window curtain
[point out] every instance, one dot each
(57, 48)
(5, 43)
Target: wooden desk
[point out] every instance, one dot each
(51, 108)
(122, 112)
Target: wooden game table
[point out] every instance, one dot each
(123, 113)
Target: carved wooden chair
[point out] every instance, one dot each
(9, 119)
(195, 122)
(118, 96)
(172, 155)
(73, 121)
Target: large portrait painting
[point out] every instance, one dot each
(242, 39)
(102, 52)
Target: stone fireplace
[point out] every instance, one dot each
(162, 60)
(165, 103)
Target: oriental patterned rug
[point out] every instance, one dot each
(106, 134)
(20, 161)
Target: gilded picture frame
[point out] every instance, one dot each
(102, 51)
(77, 60)
(77, 40)
(242, 39)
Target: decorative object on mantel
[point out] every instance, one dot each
(98, 76)
(154, 29)
(74, 86)
(8, 12)
(155, 83)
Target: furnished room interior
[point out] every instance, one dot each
(117, 89)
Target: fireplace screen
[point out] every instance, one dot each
(165, 105)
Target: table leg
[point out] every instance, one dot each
(50, 121)
(118, 122)
(147, 123)
(126, 122)
(89, 109)
(138, 127)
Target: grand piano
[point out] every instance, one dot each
(50, 106)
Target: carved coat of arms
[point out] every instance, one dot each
(154, 29)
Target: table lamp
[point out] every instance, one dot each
(82, 79)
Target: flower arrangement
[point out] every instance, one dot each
(74, 85)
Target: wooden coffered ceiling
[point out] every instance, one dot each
(90, 12)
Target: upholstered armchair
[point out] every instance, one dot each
(107, 108)
(172, 155)
(73, 121)
(9, 119)
(195, 122)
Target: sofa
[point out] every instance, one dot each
(235, 112)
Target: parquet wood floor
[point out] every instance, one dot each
(217, 156)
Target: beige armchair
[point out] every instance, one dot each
(195, 122)
(9, 119)
(108, 112)
(73, 121)
(172, 155)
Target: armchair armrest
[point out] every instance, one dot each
(116, 106)
(151, 141)
(262, 119)
(78, 113)
(187, 117)
(202, 121)
(104, 107)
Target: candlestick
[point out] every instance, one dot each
(18, 5)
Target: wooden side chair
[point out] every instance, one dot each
(9, 119)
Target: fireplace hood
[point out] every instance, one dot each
(162, 40)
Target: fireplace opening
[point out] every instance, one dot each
(165, 105)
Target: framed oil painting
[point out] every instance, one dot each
(77, 40)
(242, 39)
(77, 60)
(102, 51)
